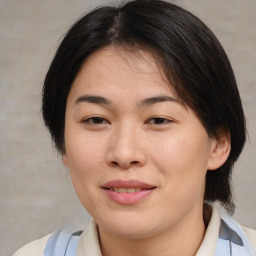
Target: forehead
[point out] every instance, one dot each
(111, 66)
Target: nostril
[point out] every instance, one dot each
(114, 163)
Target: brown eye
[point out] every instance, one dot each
(96, 120)
(159, 120)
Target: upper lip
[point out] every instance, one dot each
(127, 184)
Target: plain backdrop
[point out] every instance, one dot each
(36, 194)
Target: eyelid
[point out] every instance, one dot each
(167, 120)
(91, 117)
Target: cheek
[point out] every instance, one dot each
(85, 161)
(84, 153)
(182, 163)
(167, 154)
(85, 164)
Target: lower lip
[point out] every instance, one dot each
(128, 198)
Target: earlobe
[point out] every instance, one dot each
(65, 160)
(220, 149)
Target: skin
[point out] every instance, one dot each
(159, 143)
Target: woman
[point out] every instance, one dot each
(142, 103)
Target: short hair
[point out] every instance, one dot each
(190, 55)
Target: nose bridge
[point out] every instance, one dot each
(125, 149)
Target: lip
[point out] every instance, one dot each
(127, 184)
(128, 198)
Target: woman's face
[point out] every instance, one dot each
(137, 157)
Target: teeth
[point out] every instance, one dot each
(126, 190)
(122, 190)
(131, 190)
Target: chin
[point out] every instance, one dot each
(129, 225)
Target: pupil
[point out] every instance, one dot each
(159, 120)
(97, 120)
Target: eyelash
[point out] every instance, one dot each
(162, 120)
(91, 120)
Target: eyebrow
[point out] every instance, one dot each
(157, 99)
(93, 99)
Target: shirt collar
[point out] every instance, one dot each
(89, 242)
(208, 246)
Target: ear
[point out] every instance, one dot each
(220, 149)
(65, 160)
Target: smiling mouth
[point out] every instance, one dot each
(128, 190)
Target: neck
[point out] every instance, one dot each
(184, 239)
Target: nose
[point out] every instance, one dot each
(125, 148)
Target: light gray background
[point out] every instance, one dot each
(36, 195)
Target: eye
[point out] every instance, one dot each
(159, 120)
(95, 120)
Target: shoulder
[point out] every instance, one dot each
(34, 248)
(251, 235)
